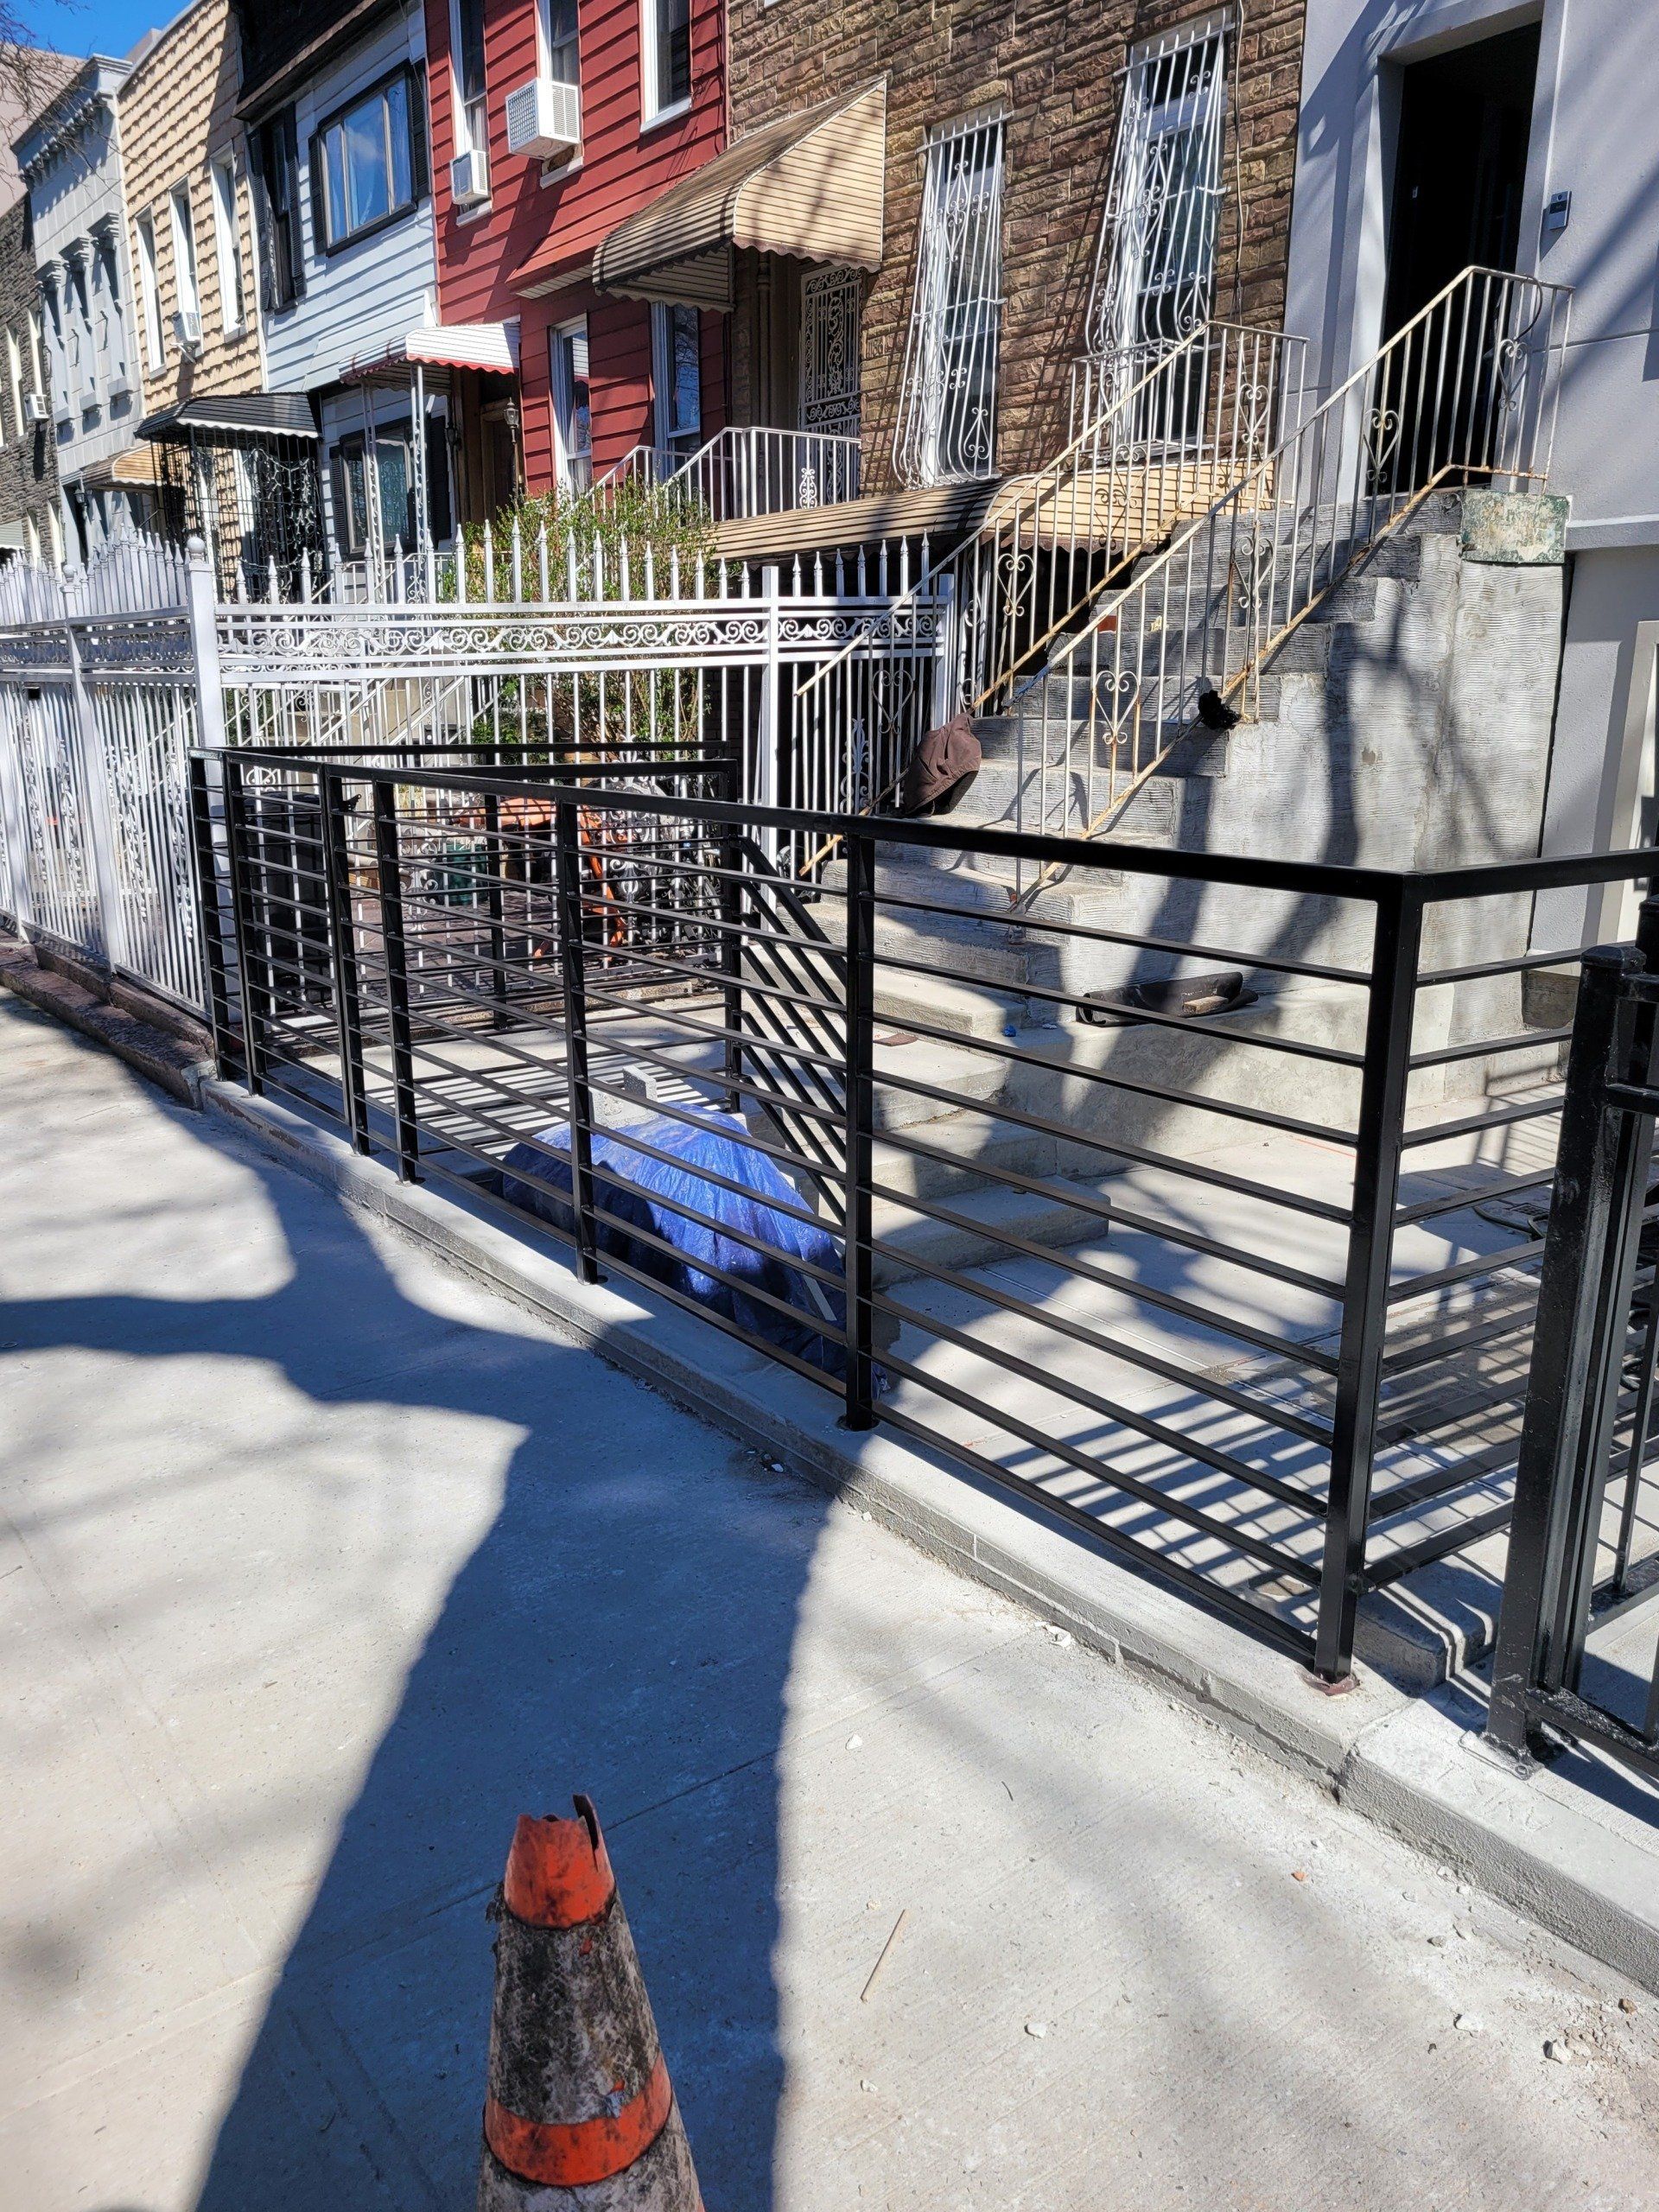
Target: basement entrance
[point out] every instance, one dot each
(1459, 172)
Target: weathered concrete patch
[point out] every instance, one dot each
(1514, 530)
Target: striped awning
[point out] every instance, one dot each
(808, 185)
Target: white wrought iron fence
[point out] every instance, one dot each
(524, 652)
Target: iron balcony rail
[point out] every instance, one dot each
(1236, 1296)
(750, 470)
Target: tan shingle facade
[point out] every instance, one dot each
(179, 131)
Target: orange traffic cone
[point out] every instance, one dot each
(580, 2114)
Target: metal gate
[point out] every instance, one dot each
(1578, 1644)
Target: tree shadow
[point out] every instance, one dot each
(623, 1626)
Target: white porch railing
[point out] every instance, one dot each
(741, 473)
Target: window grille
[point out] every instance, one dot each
(1154, 265)
(947, 422)
(830, 300)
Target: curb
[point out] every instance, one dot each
(1585, 1869)
(165, 1057)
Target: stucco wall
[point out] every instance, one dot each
(177, 113)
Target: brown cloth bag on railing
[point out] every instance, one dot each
(941, 769)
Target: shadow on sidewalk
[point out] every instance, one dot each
(624, 1626)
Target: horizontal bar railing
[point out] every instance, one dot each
(1257, 1339)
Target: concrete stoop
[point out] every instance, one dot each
(1568, 1847)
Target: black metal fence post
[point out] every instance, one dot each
(388, 869)
(729, 906)
(210, 916)
(860, 848)
(1572, 1342)
(242, 917)
(579, 1096)
(1384, 1083)
(342, 945)
(495, 907)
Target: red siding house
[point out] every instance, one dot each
(551, 122)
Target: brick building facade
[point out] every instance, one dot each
(1055, 71)
(28, 470)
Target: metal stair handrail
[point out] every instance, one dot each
(1456, 391)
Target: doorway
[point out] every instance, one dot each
(1460, 168)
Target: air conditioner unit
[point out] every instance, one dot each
(187, 329)
(544, 117)
(469, 178)
(35, 407)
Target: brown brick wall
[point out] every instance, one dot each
(177, 118)
(1054, 66)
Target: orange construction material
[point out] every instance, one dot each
(579, 2111)
(558, 1873)
(583, 2149)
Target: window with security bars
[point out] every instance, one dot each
(1156, 263)
(947, 424)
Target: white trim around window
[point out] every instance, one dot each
(227, 248)
(664, 61)
(184, 251)
(150, 293)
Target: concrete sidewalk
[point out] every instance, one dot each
(322, 1563)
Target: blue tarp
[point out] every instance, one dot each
(630, 1197)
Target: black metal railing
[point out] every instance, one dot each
(1235, 1279)
(1575, 1651)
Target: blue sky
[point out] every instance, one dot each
(96, 26)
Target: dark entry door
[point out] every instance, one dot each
(1460, 174)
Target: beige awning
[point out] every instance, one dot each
(808, 185)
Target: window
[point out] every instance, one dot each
(559, 32)
(1154, 266)
(467, 55)
(366, 162)
(665, 59)
(14, 378)
(572, 421)
(275, 154)
(227, 248)
(184, 265)
(947, 422)
(677, 377)
(393, 521)
(149, 292)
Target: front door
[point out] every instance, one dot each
(831, 383)
(1465, 121)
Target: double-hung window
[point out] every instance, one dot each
(184, 266)
(572, 420)
(558, 32)
(947, 421)
(14, 379)
(677, 377)
(665, 59)
(467, 53)
(367, 162)
(1155, 266)
(149, 292)
(275, 154)
(228, 249)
